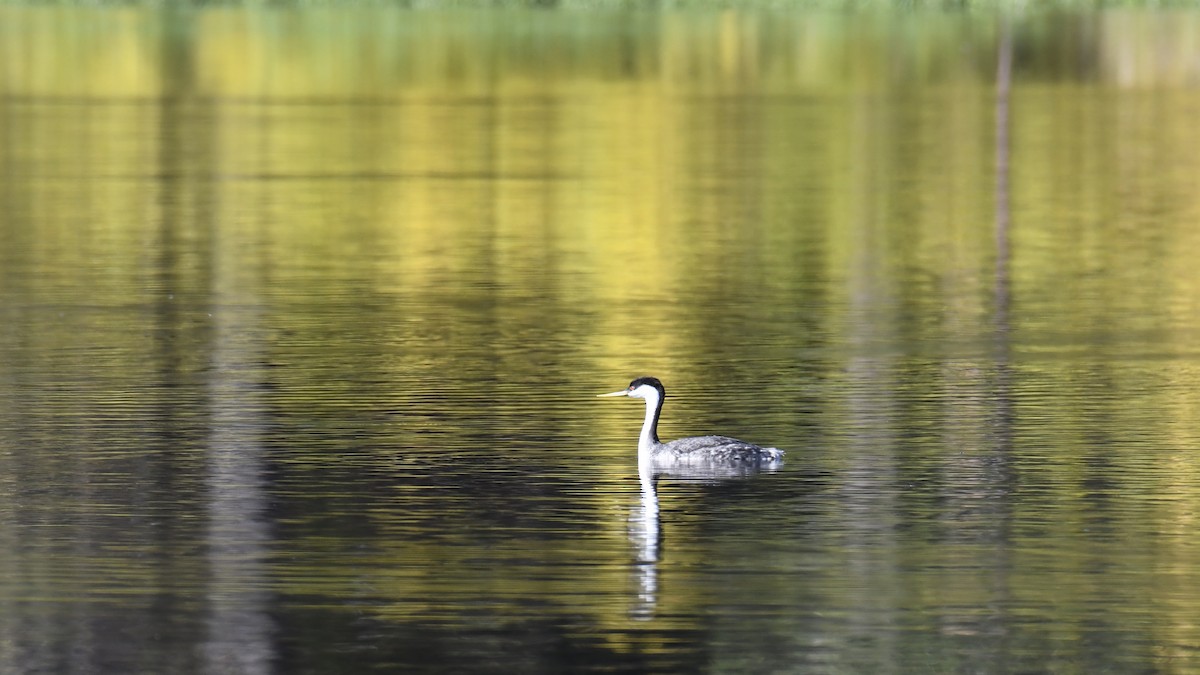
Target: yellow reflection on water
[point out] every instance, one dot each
(598, 195)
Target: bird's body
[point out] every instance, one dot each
(716, 448)
(694, 449)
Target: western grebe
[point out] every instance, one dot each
(694, 448)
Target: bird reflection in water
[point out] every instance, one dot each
(645, 523)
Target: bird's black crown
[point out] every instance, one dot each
(652, 381)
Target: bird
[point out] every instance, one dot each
(694, 448)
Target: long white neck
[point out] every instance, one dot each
(649, 437)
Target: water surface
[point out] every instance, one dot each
(303, 312)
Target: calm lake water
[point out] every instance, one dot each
(303, 312)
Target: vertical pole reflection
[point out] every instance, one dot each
(239, 631)
(1003, 86)
(239, 628)
(1001, 294)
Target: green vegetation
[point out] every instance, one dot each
(650, 5)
